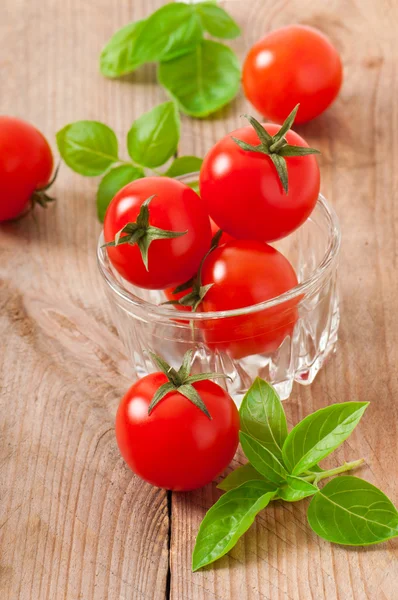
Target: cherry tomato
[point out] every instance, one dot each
(244, 273)
(174, 207)
(294, 64)
(26, 164)
(177, 446)
(244, 194)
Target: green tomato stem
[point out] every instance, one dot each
(316, 477)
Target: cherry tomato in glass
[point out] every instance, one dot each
(291, 65)
(174, 207)
(177, 446)
(244, 194)
(26, 164)
(245, 273)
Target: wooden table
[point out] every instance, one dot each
(74, 522)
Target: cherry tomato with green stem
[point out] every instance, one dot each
(291, 65)
(260, 182)
(177, 431)
(157, 231)
(26, 164)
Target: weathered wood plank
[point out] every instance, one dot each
(74, 523)
(280, 558)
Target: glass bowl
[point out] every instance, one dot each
(282, 340)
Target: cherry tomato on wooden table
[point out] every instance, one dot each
(294, 64)
(26, 164)
(157, 231)
(261, 181)
(190, 435)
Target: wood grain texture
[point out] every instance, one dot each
(74, 523)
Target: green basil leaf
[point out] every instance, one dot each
(88, 147)
(319, 434)
(118, 57)
(296, 489)
(171, 31)
(112, 182)
(217, 21)
(227, 520)
(353, 512)
(241, 475)
(202, 81)
(154, 136)
(262, 459)
(262, 416)
(184, 165)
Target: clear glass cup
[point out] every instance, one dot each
(282, 340)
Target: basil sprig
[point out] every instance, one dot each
(284, 466)
(91, 149)
(199, 74)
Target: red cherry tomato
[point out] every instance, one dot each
(177, 446)
(244, 194)
(294, 64)
(26, 164)
(174, 207)
(244, 273)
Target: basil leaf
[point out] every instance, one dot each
(262, 416)
(171, 31)
(262, 459)
(296, 489)
(203, 80)
(351, 511)
(184, 165)
(88, 147)
(217, 21)
(154, 136)
(241, 475)
(227, 520)
(112, 182)
(319, 434)
(118, 57)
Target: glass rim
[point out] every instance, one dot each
(169, 311)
